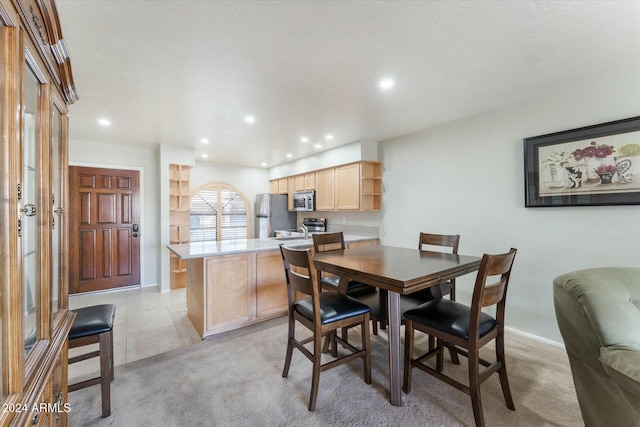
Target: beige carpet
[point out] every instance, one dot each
(234, 379)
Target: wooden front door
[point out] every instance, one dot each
(104, 240)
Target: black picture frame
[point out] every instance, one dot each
(585, 166)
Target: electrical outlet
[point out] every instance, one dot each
(344, 219)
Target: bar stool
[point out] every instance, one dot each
(95, 325)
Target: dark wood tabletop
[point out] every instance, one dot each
(396, 269)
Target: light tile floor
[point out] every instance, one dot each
(147, 323)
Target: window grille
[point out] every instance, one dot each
(218, 212)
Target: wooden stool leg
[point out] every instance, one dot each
(113, 372)
(315, 377)
(105, 372)
(366, 345)
(474, 387)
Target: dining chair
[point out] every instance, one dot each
(334, 242)
(323, 313)
(331, 242)
(464, 330)
(412, 300)
(442, 240)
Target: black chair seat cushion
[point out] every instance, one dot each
(354, 288)
(378, 302)
(333, 307)
(449, 316)
(92, 320)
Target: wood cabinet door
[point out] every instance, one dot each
(325, 190)
(273, 186)
(104, 229)
(347, 182)
(271, 284)
(310, 181)
(229, 285)
(282, 186)
(299, 182)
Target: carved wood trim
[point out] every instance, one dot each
(47, 37)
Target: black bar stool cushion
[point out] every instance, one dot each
(333, 307)
(449, 316)
(377, 301)
(92, 320)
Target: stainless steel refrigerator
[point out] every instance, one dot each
(272, 214)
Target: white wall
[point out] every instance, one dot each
(354, 152)
(467, 178)
(249, 181)
(144, 160)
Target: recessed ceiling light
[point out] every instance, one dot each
(289, 155)
(249, 119)
(104, 122)
(386, 84)
(304, 139)
(264, 164)
(204, 140)
(328, 137)
(318, 146)
(204, 156)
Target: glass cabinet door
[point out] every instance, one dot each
(29, 211)
(57, 211)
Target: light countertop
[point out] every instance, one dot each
(240, 246)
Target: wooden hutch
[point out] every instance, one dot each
(36, 87)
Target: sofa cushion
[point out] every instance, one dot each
(610, 298)
(622, 363)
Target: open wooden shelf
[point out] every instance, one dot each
(370, 186)
(179, 200)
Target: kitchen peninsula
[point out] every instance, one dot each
(236, 283)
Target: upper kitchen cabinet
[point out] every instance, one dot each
(273, 187)
(347, 179)
(357, 186)
(310, 181)
(325, 190)
(283, 186)
(351, 187)
(35, 91)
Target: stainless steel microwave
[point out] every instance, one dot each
(304, 201)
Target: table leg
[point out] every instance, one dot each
(395, 382)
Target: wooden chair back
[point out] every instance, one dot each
(488, 292)
(328, 242)
(296, 278)
(445, 240)
(448, 240)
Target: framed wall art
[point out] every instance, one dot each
(590, 166)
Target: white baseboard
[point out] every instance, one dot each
(535, 337)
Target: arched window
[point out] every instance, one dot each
(218, 211)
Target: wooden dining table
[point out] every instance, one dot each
(400, 271)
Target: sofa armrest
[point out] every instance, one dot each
(622, 363)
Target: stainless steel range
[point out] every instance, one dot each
(315, 225)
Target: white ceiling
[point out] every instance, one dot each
(173, 72)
